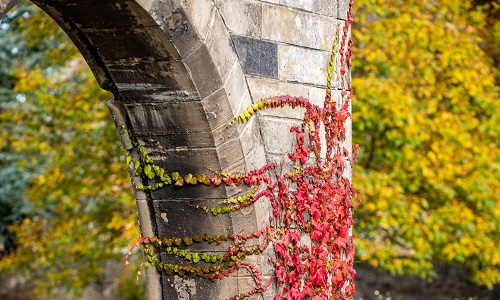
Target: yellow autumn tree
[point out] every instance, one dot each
(426, 115)
(83, 209)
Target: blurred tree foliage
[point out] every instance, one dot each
(13, 180)
(57, 123)
(427, 118)
(426, 115)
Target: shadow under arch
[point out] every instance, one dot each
(177, 81)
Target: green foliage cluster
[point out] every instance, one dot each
(57, 122)
(427, 118)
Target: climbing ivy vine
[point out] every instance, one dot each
(309, 228)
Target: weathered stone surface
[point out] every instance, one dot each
(176, 24)
(303, 65)
(120, 41)
(179, 218)
(264, 87)
(237, 90)
(186, 160)
(203, 71)
(324, 7)
(252, 148)
(297, 27)
(276, 134)
(217, 109)
(166, 117)
(220, 47)
(164, 74)
(145, 217)
(256, 56)
(231, 154)
(200, 13)
(93, 16)
(317, 95)
(176, 287)
(343, 8)
(242, 17)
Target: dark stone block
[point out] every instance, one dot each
(175, 140)
(157, 73)
(184, 160)
(168, 117)
(157, 94)
(256, 56)
(197, 288)
(97, 15)
(179, 218)
(145, 41)
(188, 192)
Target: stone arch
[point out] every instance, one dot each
(177, 82)
(179, 71)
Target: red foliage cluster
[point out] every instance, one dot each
(312, 208)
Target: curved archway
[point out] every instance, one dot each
(177, 82)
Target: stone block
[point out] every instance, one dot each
(323, 7)
(186, 160)
(237, 90)
(230, 154)
(241, 17)
(169, 75)
(176, 287)
(243, 220)
(177, 25)
(251, 143)
(317, 95)
(174, 140)
(146, 44)
(224, 134)
(297, 27)
(203, 72)
(220, 47)
(263, 87)
(181, 218)
(343, 9)
(200, 13)
(257, 57)
(218, 110)
(96, 15)
(303, 65)
(167, 117)
(276, 134)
